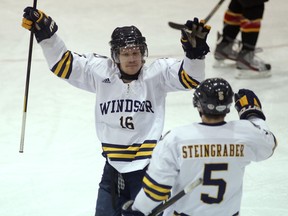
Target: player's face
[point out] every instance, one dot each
(131, 59)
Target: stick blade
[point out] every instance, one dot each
(176, 25)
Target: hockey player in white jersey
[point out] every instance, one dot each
(214, 150)
(130, 96)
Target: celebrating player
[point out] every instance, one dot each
(214, 150)
(130, 96)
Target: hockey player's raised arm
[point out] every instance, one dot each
(190, 71)
(193, 39)
(44, 27)
(249, 108)
(60, 60)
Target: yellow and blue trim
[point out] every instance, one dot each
(187, 81)
(130, 153)
(63, 67)
(156, 192)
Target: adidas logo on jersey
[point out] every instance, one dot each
(107, 80)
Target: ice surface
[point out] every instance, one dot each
(59, 171)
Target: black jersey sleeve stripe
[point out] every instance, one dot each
(155, 191)
(135, 151)
(63, 67)
(186, 80)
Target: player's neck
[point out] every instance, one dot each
(215, 120)
(127, 81)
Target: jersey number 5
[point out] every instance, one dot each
(208, 181)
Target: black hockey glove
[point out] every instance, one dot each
(127, 210)
(38, 22)
(247, 104)
(193, 39)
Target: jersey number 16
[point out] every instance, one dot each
(127, 122)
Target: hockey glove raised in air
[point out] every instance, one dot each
(127, 210)
(247, 104)
(38, 22)
(193, 39)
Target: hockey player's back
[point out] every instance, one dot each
(213, 150)
(217, 153)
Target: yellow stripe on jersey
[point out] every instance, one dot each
(130, 148)
(63, 67)
(122, 156)
(154, 196)
(150, 184)
(129, 153)
(148, 153)
(186, 80)
(155, 191)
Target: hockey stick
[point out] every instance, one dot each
(160, 208)
(27, 87)
(212, 12)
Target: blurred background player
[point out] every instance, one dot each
(130, 96)
(214, 150)
(243, 16)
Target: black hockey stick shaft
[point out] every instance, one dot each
(160, 208)
(21, 150)
(212, 12)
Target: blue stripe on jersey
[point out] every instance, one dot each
(178, 214)
(156, 192)
(63, 67)
(187, 81)
(129, 153)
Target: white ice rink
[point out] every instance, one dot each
(59, 171)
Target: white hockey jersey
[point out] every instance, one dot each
(216, 153)
(129, 116)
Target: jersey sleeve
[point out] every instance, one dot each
(263, 142)
(159, 178)
(191, 72)
(53, 49)
(81, 71)
(181, 75)
(194, 68)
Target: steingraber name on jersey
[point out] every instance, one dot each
(212, 150)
